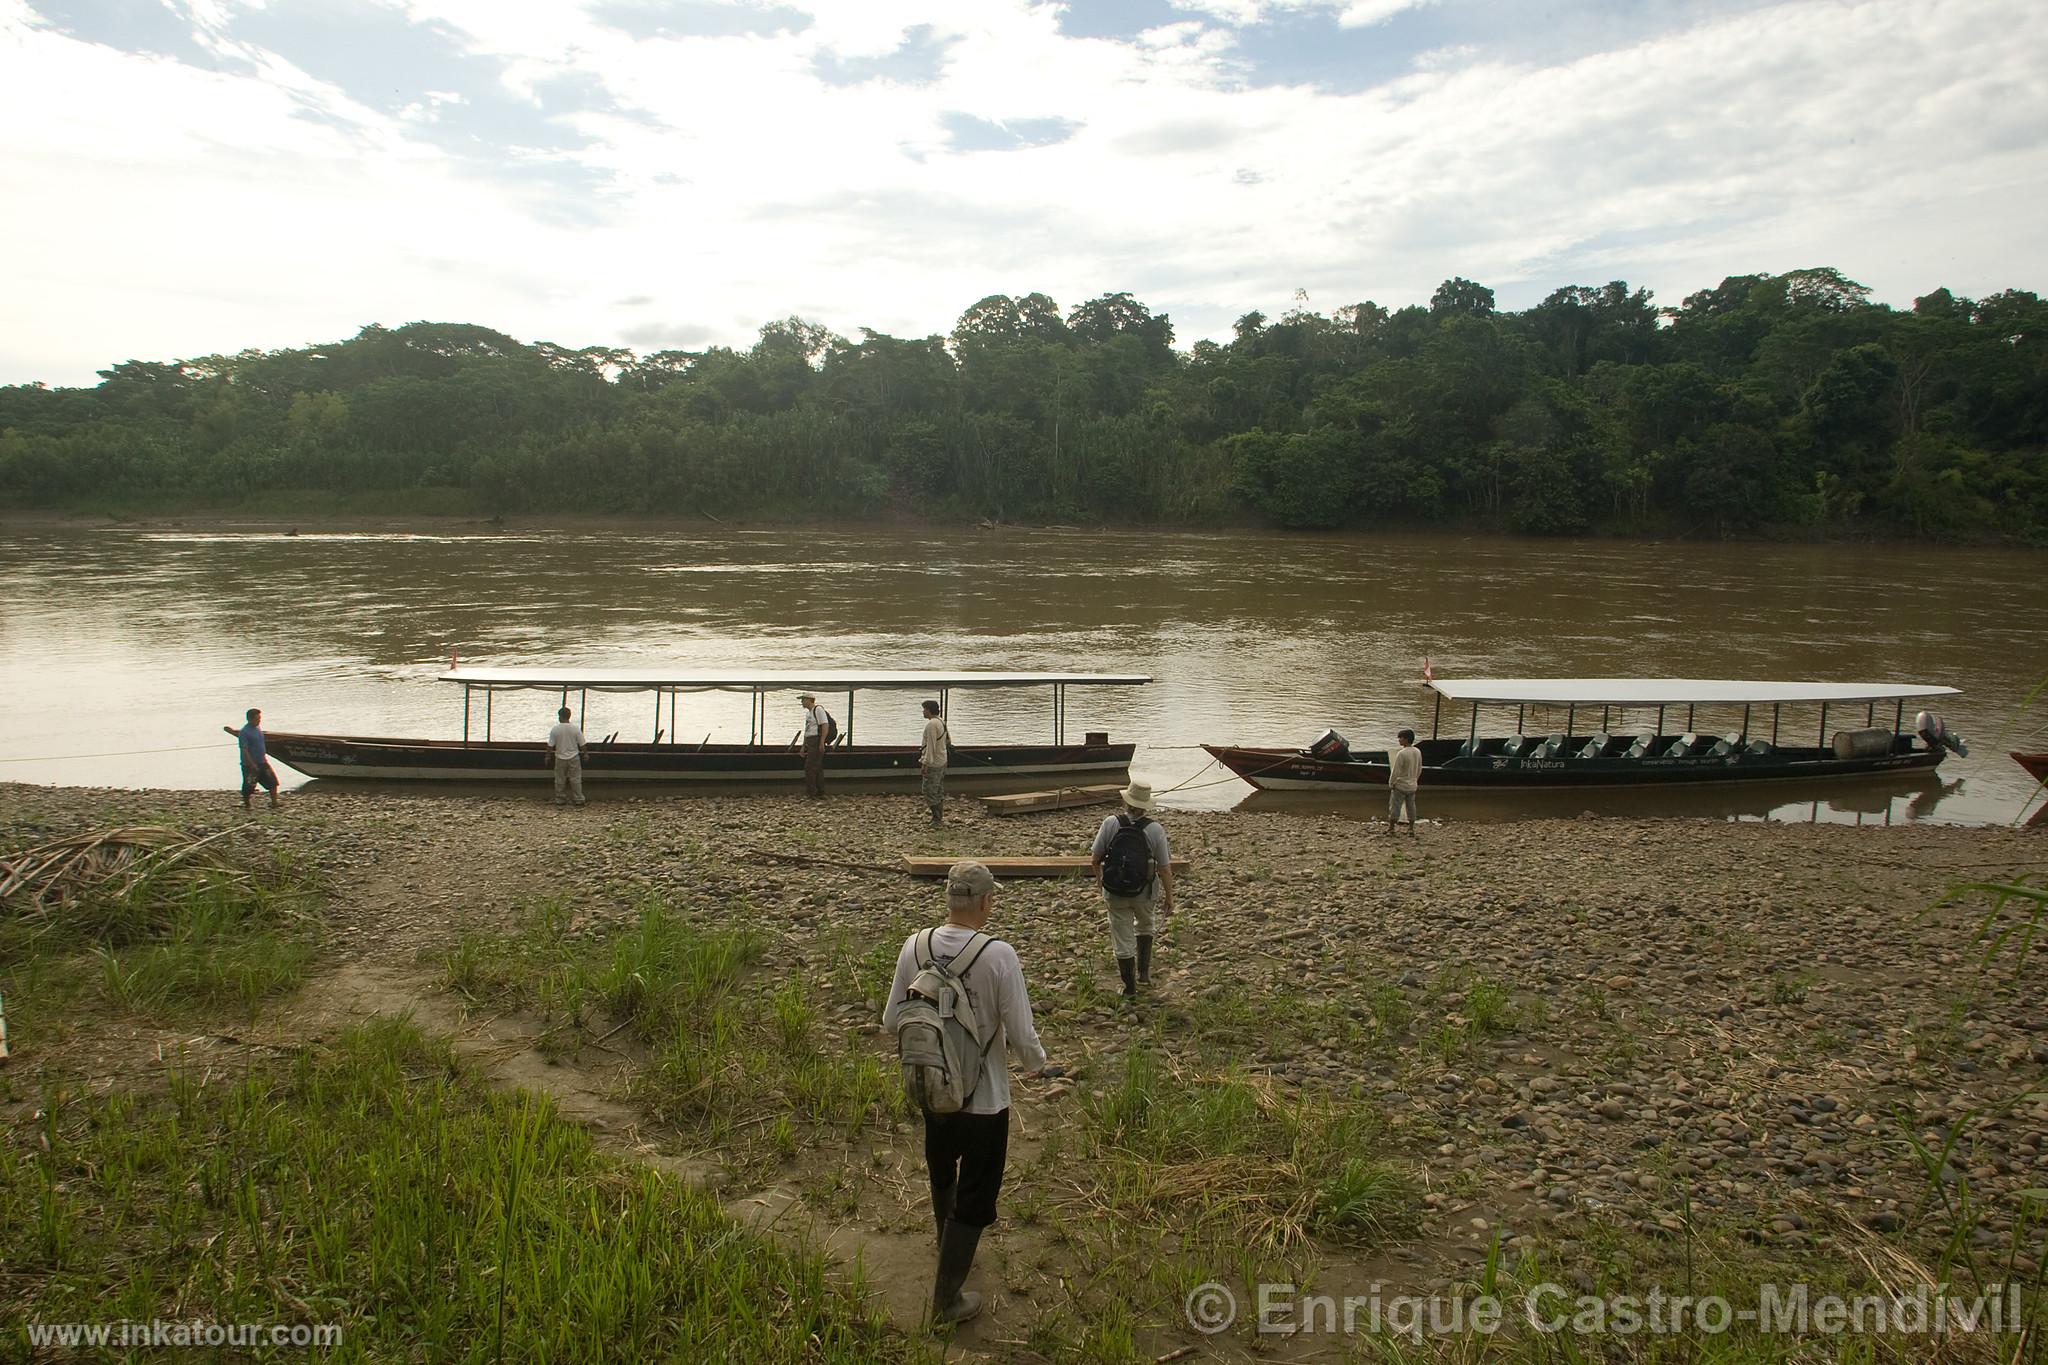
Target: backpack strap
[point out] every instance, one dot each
(922, 954)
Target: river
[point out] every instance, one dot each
(124, 650)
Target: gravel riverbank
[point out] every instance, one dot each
(1562, 1020)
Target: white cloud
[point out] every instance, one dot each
(1366, 13)
(171, 212)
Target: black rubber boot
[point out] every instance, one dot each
(1145, 959)
(1128, 970)
(942, 1208)
(950, 1302)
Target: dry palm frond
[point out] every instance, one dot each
(132, 867)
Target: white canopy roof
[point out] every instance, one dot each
(820, 680)
(1673, 691)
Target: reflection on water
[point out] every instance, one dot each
(139, 645)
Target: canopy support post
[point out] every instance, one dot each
(582, 706)
(1475, 721)
(1521, 715)
(1436, 722)
(1571, 718)
(1870, 716)
(1899, 726)
(849, 715)
(1660, 722)
(1745, 726)
(1774, 725)
(1822, 742)
(465, 715)
(490, 695)
(657, 717)
(1690, 712)
(1604, 722)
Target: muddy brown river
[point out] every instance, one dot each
(123, 651)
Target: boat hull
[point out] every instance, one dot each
(2035, 764)
(424, 760)
(1293, 770)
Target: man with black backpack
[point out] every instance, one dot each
(958, 1005)
(1134, 867)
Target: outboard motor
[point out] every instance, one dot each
(1331, 747)
(1930, 728)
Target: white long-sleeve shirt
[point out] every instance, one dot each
(932, 754)
(996, 977)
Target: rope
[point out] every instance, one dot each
(1190, 785)
(112, 753)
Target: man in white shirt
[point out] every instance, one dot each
(1404, 775)
(814, 745)
(1133, 866)
(931, 762)
(566, 754)
(965, 1152)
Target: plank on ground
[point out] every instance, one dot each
(1014, 867)
(1059, 798)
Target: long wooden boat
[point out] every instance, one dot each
(482, 758)
(2035, 764)
(1655, 754)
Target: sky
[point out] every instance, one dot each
(193, 177)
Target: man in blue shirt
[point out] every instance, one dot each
(256, 769)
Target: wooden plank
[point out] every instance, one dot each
(1059, 798)
(1015, 867)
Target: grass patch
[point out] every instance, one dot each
(1240, 1157)
(740, 1058)
(157, 929)
(376, 1186)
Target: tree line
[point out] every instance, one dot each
(1781, 404)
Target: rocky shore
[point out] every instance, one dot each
(1561, 1020)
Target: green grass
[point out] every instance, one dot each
(375, 1185)
(738, 1056)
(168, 948)
(1242, 1157)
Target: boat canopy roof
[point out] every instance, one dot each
(821, 680)
(1673, 691)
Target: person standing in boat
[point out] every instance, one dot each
(1133, 864)
(566, 754)
(931, 762)
(1404, 775)
(815, 721)
(256, 769)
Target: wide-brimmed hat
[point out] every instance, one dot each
(1138, 796)
(969, 881)
(807, 696)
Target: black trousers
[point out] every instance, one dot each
(969, 1150)
(252, 778)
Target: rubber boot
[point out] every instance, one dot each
(1128, 970)
(942, 1208)
(1144, 959)
(950, 1302)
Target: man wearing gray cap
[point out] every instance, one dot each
(965, 1152)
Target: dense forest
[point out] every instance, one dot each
(1777, 404)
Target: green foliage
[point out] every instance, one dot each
(1768, 402)
(375, 1186)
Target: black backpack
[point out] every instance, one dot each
(1127, 862)
(828, 734)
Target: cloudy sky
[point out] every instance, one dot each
(184, 177)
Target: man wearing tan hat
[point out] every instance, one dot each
(1134, 867)
(814, 744)
(965, 1152)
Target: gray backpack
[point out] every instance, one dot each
(938, 1039)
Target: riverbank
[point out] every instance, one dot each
(1591, 1047)
(456, 511)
